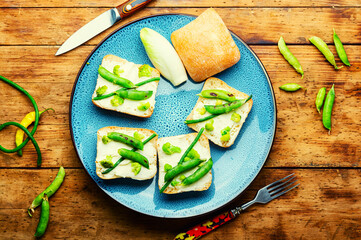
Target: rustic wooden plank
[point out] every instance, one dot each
(301, 140)
(326, 204)
(183, 3)
(52, 26)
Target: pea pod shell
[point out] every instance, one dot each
(49, 191)
(201, 172)
(133, 94)
(126, 139)
(291, 59)
(320, 98)
(323, 48)
(290, 87)
(111, 77)
(340, 49)
(44, 217)
(134, 156)
(227, 107)
(180, 168)
(327, 108)
(219, 94)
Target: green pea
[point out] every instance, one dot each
(186, 159)
(44, 217)
(235, 117)
(180, 168)
(145, 71)
(126, 139)
(290, 87)
(111, 77)
(167, 167)
(193, 154)
(133, 94)
(323, 48)
(117, 101)
(134, 156)
(320, 98)
(107, 162)
(340, 49)
(209, 125)
(201, 172)
(105, 139)
(138, 136)
(182, 177)
(227, 107)
(101, 90)
(174, 183)
(117, 71)
(219, 102)
(136, 167)
(144, 106)
(201, 110)
(225, 134)
(291, 59)
(169, 149)
(327, 108)
(218, 93)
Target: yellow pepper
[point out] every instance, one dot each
(27, 120)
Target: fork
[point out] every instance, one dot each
(264, 195)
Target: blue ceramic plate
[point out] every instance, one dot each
(234, 168)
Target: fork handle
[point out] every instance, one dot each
(202, 229)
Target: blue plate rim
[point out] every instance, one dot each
(172, 217)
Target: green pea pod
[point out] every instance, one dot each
(44, 217)
(111, 77)
(134, 156)
(121, 159)
(180, 168)
(327, 108)
(292, 60)
(126, 139)
(340, 49)
(133, 94)
(290, 87)
(320, 98)
(219, 94)
(323, 48)
(201, 172)
(137, 85)
(227, 107)
(49, 191)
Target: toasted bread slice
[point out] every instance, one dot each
(130, 71)
(124, 169)
(183, 141)
(223, 120)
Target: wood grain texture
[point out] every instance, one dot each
(296, 25)
(81, 210)
(182, 3)
(301, 140)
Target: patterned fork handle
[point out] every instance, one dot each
(204, 228)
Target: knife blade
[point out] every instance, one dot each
(100, 24)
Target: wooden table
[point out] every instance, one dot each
(325, 206)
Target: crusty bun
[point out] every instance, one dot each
(183, 141)
(124, 169)
(205, 46)
(130, 72)
(223, 120)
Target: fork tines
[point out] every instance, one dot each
(282, 186)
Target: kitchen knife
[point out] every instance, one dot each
(101, 23)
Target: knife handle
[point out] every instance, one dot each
(129, 7)
(204, 228)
